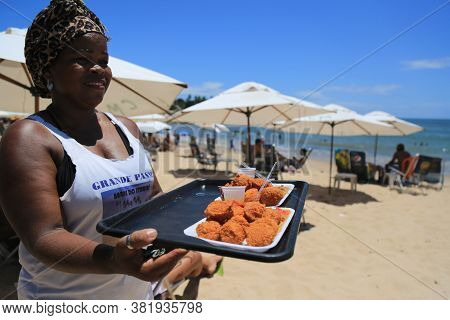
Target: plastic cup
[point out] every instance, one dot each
(248, 171)
(233, 193)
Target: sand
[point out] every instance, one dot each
(375, 243)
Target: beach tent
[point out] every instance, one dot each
(246, 103)
(339, 122)
(152, 126)
(134, 90)
(398, 127)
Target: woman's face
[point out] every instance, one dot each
(80, 72)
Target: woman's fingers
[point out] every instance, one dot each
(138, 239)
(158, 268)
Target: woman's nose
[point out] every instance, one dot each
(97, 69)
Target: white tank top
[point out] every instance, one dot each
(102, 187)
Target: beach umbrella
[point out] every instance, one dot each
(246, 103)
(398, 127)
(149, 117)
(152, 126)
(134, 90)
(339, 122)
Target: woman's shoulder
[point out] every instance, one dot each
(130, 125)
(27, 134)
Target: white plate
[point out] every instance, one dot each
(191, 232)
(290, 187)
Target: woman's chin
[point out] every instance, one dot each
(93, 101)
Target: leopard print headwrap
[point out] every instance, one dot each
(53, 29)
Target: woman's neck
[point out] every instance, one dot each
(80, 123)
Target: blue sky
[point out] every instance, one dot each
(291, 46)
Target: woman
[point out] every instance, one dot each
(61, 169)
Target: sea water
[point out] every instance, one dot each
(433, 141)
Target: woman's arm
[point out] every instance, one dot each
(29, 198)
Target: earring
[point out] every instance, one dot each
(50, 86)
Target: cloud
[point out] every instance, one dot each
(378, 89)
(439, 63)
(208, 88)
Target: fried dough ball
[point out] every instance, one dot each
(258, 182)
(274, 214)
(242, 180)
(240, 220)
(270, 196)
(232, 232)
(208, 230)
(259, 235)
(253, 211)
(270, 223)
(252, 195)
(237, 211)
(219, 211)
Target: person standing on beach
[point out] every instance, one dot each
(65, 168)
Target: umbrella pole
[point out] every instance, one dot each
(36, 104)
(249, 157)
(331, 156)
(376, 149)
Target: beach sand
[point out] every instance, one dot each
(375, 243)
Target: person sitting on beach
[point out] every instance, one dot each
(167, 143)
(398, 157)
(64, 169)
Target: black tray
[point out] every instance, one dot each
(178, 209)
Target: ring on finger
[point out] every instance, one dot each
(128, 242)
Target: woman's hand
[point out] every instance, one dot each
(131, 262)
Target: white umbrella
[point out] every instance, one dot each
(236, 106)
(345, 122)
(218, 128)
(152, 126)
(399, 127)
(134, 90)
(149, 117)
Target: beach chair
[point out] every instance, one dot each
(404, 176)
(343, 165)
(204, 158)
(430, 171)
(342, 159)
(265, 162)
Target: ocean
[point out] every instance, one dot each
(433, 141)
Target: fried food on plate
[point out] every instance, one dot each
(252, 195)
(258, 182)
(270, 196)
(269, 222)
(242, 180)
(219, 211)
(274, 214)
(253, 211)
(208, 230)
(237, 211)
(232, 232)
(259, 235)
(240, 220)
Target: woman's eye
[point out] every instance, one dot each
(81, 61)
